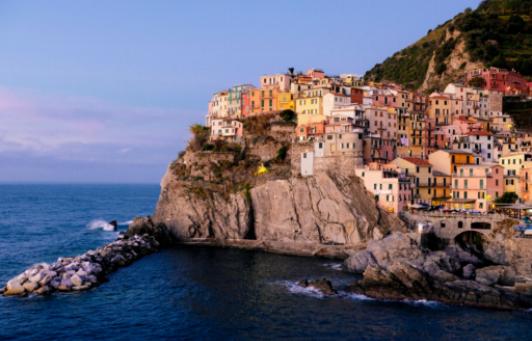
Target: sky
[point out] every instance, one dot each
(104, 91)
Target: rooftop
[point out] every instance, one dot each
(417, 161)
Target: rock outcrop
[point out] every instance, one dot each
(82, 272)
(398, 267)
(327, 209)
(322, 285)
(219, 197)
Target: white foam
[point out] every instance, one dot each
(334, 266)
(424, 302)
(295, 288)
(125, 223)
(100, 224)
(356, 297)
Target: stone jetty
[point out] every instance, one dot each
(81, 272)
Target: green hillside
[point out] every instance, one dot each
(498, 33)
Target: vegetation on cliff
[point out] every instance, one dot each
(226, 167)
(498, 33)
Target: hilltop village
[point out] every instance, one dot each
(456, 149)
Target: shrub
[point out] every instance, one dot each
(288, 115)
(507, 198)
(200, 136)
(477, 82)
(281, 153)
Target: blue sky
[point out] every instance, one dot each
(104, 91)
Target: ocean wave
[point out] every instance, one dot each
(100, 224)
(334, 266)
(355, 297)
(297, 289)
(125, 223)
(424, 303)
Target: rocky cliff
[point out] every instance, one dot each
(221, 195)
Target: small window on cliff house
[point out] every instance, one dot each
(304, 155)
(320, 145)
(460, 224)
(442, 224)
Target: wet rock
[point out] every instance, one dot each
(81, 272)
(497, 274)
(30, 286)
(14, 287)
(359, 261)
(404, 270)
(322, 285)
(114, 224)
(468, 271)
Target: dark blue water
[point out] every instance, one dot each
(197, 293)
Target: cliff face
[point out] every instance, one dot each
(216, 196)
(325, 209)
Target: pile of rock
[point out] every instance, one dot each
(398, 267)
(84, 271)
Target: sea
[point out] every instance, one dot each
(198, 293)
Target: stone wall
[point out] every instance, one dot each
(295, 153)
(448, 226)
(345, 165)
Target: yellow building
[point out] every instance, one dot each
(412, 137)
(285, 101)
(309, 110)
(513, 164)
(440, 109)
(446, 161)
(421, 172)
(442, 188)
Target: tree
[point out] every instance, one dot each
(200, 136)
(507, 198)
(288, 115)
(477, 82)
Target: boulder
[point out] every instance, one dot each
(359, 261)
(76, 280)
(14, 287)
(30, 286)
(396, 246)
(322, 285)
(496, 274)
(468, 271)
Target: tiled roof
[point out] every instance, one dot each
(416, 161)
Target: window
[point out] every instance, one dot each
(460, 224)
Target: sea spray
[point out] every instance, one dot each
(100, 224)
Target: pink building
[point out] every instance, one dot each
(476, 186)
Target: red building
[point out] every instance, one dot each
(507, 82)
(357, 95)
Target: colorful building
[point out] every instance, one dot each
(391, 188)
(476, 186)
(421, 172)
(507, 82)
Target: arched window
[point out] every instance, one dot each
(460, 224)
